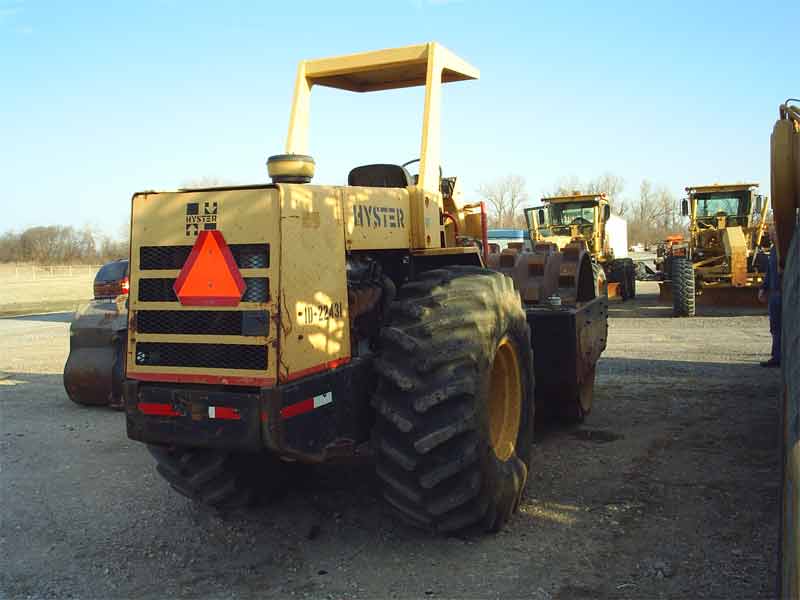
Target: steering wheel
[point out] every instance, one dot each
(580, 221)
(416, 177)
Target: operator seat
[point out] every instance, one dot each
(385, 176)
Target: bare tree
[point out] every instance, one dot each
(667, 208)
(609, 184)
(566, 186)
(612, 186)
(505, 197)
(59, 244)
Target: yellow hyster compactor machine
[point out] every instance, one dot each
(284, 323)
(722, 261)
(585, 222)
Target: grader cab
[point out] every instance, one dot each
(285, 323)
(585, 221)
(722, 262)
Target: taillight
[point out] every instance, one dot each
(125, 284)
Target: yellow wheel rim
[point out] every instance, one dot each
(505, 401)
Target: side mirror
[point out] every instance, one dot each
(606, 212)
(540, 214)
(759, 203)
(685, 207)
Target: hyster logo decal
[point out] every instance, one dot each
(378, 216)
(194, 219)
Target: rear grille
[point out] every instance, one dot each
(214, 356)
(163, 257)
(251, 256)
(189, 322)
(247, 256)
(160, 290)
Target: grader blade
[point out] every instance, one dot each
(729, 296)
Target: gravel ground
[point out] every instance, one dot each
(669, 490)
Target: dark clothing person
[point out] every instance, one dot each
(772, 286)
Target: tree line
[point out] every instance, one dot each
(652, 214)
(59, 245)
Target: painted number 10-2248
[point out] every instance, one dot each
(317, 313)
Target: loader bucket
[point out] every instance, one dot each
(94, 369)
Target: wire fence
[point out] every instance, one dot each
(25, 272)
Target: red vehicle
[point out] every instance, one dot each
(112, 280)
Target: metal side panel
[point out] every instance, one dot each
(171, 342)
(376, 218)
(314, 322)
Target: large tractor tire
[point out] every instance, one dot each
(218, 478)
(683, 288)
(454, 402)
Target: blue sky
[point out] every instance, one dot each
(102, 99)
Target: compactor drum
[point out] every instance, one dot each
(278, 324)
(94, 370)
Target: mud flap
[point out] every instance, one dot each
(95, 366)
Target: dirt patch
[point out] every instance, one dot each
(596, 436)
(668, 490)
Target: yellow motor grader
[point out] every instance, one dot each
(722, 261)
(288, 322)
(585, 221)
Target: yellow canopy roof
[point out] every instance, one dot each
(386, 69)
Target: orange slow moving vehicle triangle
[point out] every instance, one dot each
(210, 276)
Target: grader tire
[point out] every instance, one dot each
(454, 402)
(631, 270)
(218, 478)
(683, 288)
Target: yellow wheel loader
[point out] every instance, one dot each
(288, 322)
(785, 189)
(585, 221)
(722, 261)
